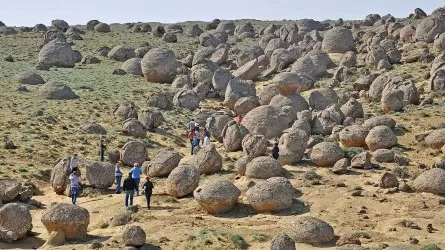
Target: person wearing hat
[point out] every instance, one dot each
(75, 186)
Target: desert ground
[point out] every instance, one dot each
(45, 131)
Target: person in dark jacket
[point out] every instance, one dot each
(275, 151)
(148, 189)
(129, 187)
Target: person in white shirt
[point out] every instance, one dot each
(75, 186)
(74, 162)
(206, 141)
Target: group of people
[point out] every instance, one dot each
(130, 185)
(196, 136)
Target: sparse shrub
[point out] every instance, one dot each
(442, 202)
(401, 172)
(351, 152)
(23, 170)
(239, 241)
(311, 175)
(261, 237)
(430, 247)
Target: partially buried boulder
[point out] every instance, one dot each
(121, 53)
(431, 181)
(29, 77)
(132, 66)
(126, 110)
(93, 128)
(326, 154)
(254, 145)
(15, 222)
(134, 152)
(100, 174)
(295, 100)
(182, 181)
(102, 28)
(380, 137)
(275, 194)
(436, 139)
(60, 25)
(56, 91)
(217, 196)
(208, 160)
(67, 220)
(353, 136)
(134, 236)
(310, 230)
(282, 242)
(186, 98)
(162, 100)
(233, 134)
(338, 40)
(263, 167)
(159, 65)
(57, 53)
(289, 83)
(164, 163)
(322, 98)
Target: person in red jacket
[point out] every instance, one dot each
(239, 119)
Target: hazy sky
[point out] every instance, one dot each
(30, 12)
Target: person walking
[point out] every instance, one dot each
(118, 174)
(148, 189)
(75, 186)
(198, 135)
(275, 151)
(191, 136)
(129, 187)
(103, 148)
(136, 173)
(192, 125)
(205, 141)
(74, 162)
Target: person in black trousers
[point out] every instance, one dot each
(129, 187)
(103, 148)
(275, 151)
(148, 189)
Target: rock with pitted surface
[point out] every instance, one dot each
(254, 145)
(282, 242)
(263, 167)
(310, 230)
(9, 190)
(186, 98)
(431, 181)
(134, 236)
(326, 154)
(122, 53)
(353, 136)
(380, 137)
(352, 108)
(57, 53)
(322, 98)
(134, 152)
(100, 174)
(233, 134)
(208, 160)
(289, 83)
(133, 127)
(436, 139)
(182, 181)
(217, 196)
(15, 222)
(67, 219)
(159, 65)
(388, 180)
(274, 194)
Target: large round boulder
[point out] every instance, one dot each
(269, 121)
(164, 163)
(159, 65)
(326, 154)
(102, 28)
(59, 176)
(431, 181)
(57, 53)
(436, 139)
(288, 83)
(430, 27)
(254, 145)
(132, 66)
(100, 174)
(217, 196)
(233, 134)
(70, 219)
(310, 230)
(133, 127)
(60, 25)
(379, 121)
(93, 128)
(292, 145)
(295, 100)
(282, 242)
(274, 194)
(151, 118)
(134, 152)
(126, 110)
(56, 91)
(182, 181)
(263, 167)
(208, 160)
(380, 137)
(338, 40)
(353, 136)
(15, 222)
(322, 98)
(186, 98)
(237, 89)
(122, 53)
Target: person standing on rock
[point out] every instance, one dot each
(148, 189)
(192, 125)
(118, 174)
(136, 175)
(74, 162)
(103, 148)
(129, 187)
(75, 186)
(275, 151)
(191, 136)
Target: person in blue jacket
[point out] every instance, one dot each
(136, 173)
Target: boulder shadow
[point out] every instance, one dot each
(30, 242)
(298, 208)
(240, 210)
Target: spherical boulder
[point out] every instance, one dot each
(282, 242)
(186, 98)
(380, 137)
(72, 220)
(353, 136)
(431, 181)
(288, 83)
(233, 134)
(379, 121)
(263, 167)
(338, 40)
(102, 28)
(274, 194)
(56, 91)
(182, 181)
(15, 222)
(133, 66)
(254, 145)
(322, 98)
(208, 160)
(29, 77)
(60, 25)
(57, 53)
(100, 174)
(164, 163)
(122, 53)
(310, 230)
(151, 118)
(134, 236)
(133, 127)
(159, 65)
(436, 139)
(93, 128)
(134, 152)
(326, 154)
(126, 110)
(217, 196)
